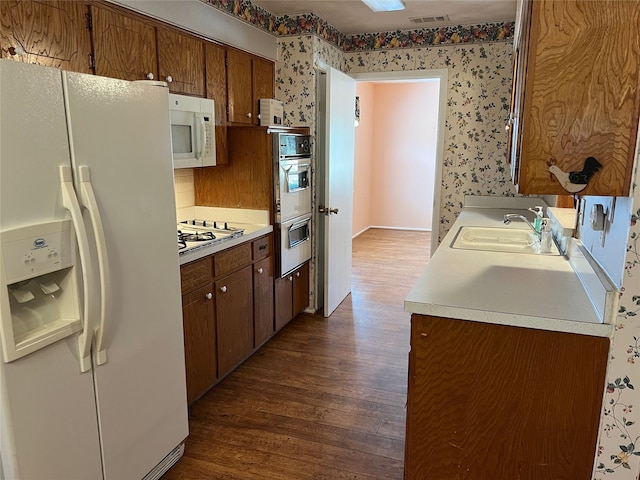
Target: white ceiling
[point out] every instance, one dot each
(353, 16)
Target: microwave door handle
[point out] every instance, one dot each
(203, 137)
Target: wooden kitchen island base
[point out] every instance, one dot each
(489, 401)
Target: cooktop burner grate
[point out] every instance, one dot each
(197, 237)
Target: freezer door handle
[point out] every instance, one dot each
(70, 202)
(88, 200)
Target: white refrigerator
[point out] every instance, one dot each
(92, 380)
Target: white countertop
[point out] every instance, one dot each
(251, 232)
(533, 291)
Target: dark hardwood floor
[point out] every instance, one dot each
(325, 398)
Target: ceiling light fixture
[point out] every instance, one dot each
(385, 5)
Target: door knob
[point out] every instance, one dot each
(223, 289)
(260, 270)
(209, 296)
(327, 210)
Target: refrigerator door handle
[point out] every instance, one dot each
(88, 199)
(70, 202)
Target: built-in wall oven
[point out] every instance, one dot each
(292, 200)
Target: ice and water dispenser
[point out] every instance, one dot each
(39, 280)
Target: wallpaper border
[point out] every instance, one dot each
(312, 24)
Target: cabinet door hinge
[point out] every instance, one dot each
(88, 21)
(226, 61)
(92, 61)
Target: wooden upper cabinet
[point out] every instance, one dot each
(181, 62)
(249, 78)
(50, 33)
(239, 87)
(263, 84)
(216, 83)
(124, 47)
(581, 98)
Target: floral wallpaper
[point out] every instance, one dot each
(309, 23)
(617, 457)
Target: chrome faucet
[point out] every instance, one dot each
(512, 216)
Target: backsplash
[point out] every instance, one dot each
(607, 247)
(183, 187)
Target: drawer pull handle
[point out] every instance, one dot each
(262, 247)
(290, 278)
(223, 288)
(260, 270)
(297, 274)
(209, 296)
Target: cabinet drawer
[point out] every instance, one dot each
(195, 274)
(232, 259)
(262, 247)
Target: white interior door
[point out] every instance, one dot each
(338, 187)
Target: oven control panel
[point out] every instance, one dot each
(291, 144)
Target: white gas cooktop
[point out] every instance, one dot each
(195, 234)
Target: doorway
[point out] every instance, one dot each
(429, 185)
(395, 155)
(322, 119)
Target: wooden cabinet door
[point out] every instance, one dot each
(582, 98)
(263, 84)
(124, 47)
(283, 301)
(300, 289)
(520, 56)
(216, 86)
(498, 396)
(181, 62)
(239, 87)
(53, 33)
(263, 300)
(199, 341)
(234, 317)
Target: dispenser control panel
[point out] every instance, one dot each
(37, 250)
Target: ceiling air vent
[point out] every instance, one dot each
(436, 19)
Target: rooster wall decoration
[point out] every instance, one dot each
(573, 182)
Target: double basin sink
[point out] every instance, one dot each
(496, 239)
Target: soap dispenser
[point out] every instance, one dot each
(546, 236)
(537, 221)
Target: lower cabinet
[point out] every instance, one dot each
(492, 401)
(227, 310)
(292, 295)
(234, 313)
(263, 301)
(200, 340)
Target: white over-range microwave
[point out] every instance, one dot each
(193, 139)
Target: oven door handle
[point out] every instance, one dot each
(295, 226)
(286, 177)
